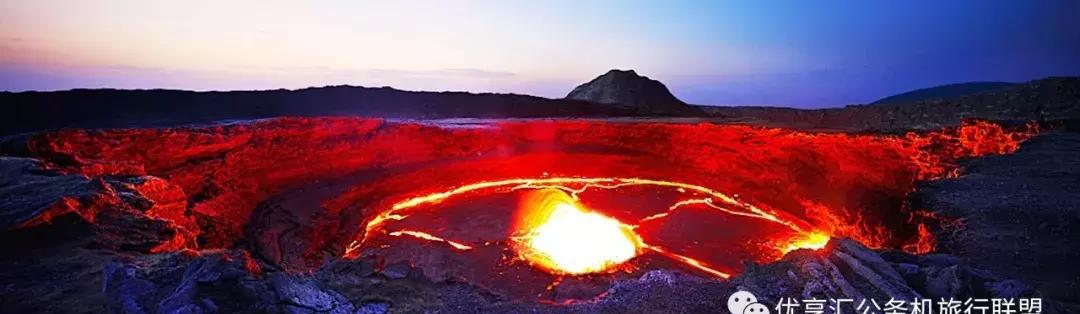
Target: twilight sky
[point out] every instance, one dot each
(785, 53)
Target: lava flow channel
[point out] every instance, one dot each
(554, 231)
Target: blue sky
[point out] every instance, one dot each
(782, 53)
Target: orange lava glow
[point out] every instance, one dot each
(558, 234)
(813, 241)
(935, 153)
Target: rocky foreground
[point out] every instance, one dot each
(224, 281)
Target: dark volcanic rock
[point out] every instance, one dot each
(60, 231)
(28, 191)
(848, 270)
(126, 213)
(52, 269)
(627, 89)
(845, 269)
(218, 282)
(1018, 215)
(303, 295)
(661, 291)
(222, 281)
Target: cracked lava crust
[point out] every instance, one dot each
(549, 210)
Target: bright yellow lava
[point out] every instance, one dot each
(558, 235)
(813, 241)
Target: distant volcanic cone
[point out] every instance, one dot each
(627, 89)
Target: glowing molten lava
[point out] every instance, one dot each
(813, 240)
(557, 234)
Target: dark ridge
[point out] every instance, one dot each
(1049, 99)
(111, 108)
(943, 92)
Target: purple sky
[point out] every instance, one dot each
(785, 53)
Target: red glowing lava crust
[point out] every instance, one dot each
(525, 200)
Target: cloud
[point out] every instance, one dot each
(458, 73)
(453, 73)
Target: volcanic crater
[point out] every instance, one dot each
(535, 210)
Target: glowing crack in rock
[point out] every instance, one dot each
(688, 261)
(427, 236)
(558, 234)
(569, 239)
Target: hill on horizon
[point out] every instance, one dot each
(946, 91)
(627, 89)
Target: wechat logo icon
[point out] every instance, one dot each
(743, 302)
